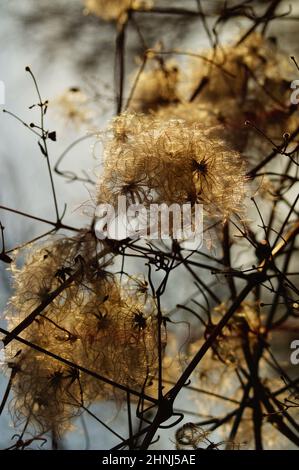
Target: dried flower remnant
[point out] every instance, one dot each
(73, 108)
(156, 87)
(214, 375)
(110, 10)
(217, 379)
(221, 371)
(245, 323)
(257, 80)
(191, 436)
(267, 189)
(152, 160)
(233, 71)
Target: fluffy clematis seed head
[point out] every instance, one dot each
(94, 322)
(110, 10)
(150, 160)
(156, 87)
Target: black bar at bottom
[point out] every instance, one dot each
(147, 459)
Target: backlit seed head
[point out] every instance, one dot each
(73, 107)
(167, 162)
(110, 10)
(244, 325)
(156, 87)
(254, 76)
(107, 328)
(255, 55)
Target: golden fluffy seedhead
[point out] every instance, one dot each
(255, 63)
(73, 107)
(156, 87)
(45, 267)
(47, 394)
(95, 323)
(254, 77)
(119, 341)
(154, 160)
(110, 10)
(245, 325)
(225, 119)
